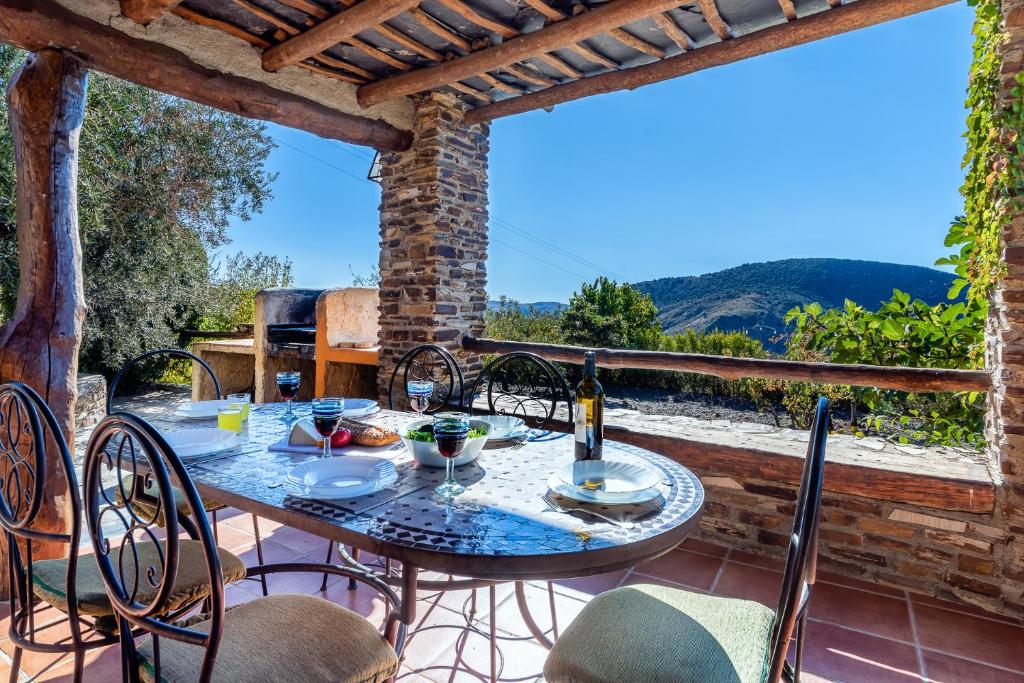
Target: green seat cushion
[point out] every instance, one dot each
(191, 583)
(146, 508)
(657, 634)
(284, 639)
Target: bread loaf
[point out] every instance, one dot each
(369, 435)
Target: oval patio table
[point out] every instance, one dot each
(500, 529)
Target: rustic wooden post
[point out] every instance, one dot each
(39, 344)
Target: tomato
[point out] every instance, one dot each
(341, 438)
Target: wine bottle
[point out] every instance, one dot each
(589, 418)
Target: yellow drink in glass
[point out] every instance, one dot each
(241, 401)
(230, 418)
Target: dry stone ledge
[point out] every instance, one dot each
(92, 401)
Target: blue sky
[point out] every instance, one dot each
(849, 147)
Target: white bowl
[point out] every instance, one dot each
(426, 453)
(505, 426)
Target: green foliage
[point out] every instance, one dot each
(510, 322)
(994, 175)
(607, 314)
(159, 179)
(232, 287)
(904, 332)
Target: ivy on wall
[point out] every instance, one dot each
(994, 179)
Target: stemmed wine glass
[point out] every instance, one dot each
(327, 414)
(450, 433)
(419, 392)
(288, 386)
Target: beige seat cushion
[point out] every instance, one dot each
(656, 634)
(191, 583)
(284, 639)
(146, 509)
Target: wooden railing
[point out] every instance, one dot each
(728, 367)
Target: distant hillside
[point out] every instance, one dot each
(756, 296)
(539, 306)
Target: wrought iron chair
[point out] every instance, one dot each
(144, 502)
(430, 362)
(657, 633)
(26, 427)
(277, 638)
(523, 385)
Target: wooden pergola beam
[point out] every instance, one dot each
(552, 37)
(334, 30)
(35, 25)
(145, 11)
(823, 24)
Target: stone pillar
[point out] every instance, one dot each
(433, 237)
(1005, 356)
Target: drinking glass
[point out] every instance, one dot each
(288, 385)
(419, 392)
(327, 414)
(450, 432)
(229, 417)
(243, 400)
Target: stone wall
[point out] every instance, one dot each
(1005, 429)
(433, 237)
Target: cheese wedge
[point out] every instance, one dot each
(304, 434)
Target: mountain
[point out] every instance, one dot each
(755, 297)
(539, 306)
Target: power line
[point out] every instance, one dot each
(498, 221)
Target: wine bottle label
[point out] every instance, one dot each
(581, 423)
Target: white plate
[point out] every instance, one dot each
(606, 481)
(341, 477)
(199, 410)
(360, 407)
(192, 443)
(585, 496)
(504, 427)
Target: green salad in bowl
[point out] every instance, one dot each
(418, 437)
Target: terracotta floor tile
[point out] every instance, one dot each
(981, 640)
(945, 669)
(298, 540)
(697, 545)
(510, 619)
(750, 583)
(100, 665)
(297, 582)
(436, 631)
(274, 553)
(244, 522)
(919, 599)
(876, 614)
(852, 657)
(840, 580)
(586, 587)
(515, 660)
(762, 561)
(683, 567)
(363, 600)
(234, 539)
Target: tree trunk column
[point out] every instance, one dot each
(1005, 356)
(433, 230)
(39, 344)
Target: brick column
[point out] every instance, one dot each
(1005, 356)
(433, 237)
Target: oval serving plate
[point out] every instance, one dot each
(193, 443)
(200, 410)
(343, 477)
(584, 496)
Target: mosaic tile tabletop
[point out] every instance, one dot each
(501, 514)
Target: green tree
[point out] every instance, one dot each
(512, 323)
(159, 179)
(611, 315)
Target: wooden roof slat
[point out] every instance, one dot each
(333, 30)
(407, 42)
(268, 17)
(472, 92)
(638, 44)
(145, 11)
(559, 64)
(584, 51)
(788, 8)
(711, 15)
(317, 69)
(438, 29)
(545, 40)
(307, 7)
(347, 66)
(39, 24)
(814, 27)
(500, 85)
(226, 26)
(529, 75)
(671, 29)
(379, 55)
(470, 14)
(546, 10)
